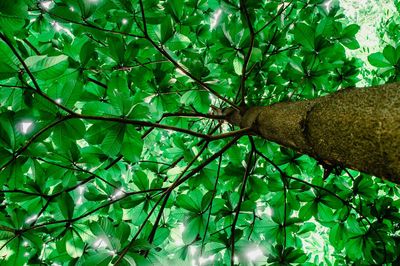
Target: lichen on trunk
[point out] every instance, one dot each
(357, 128)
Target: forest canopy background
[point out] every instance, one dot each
(114, 147)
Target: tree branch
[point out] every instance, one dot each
(126, 68)
(242, 87)
(167, 127)
(31, 76)
(344, 201)
(281, 10)
(30, 45)
(15, 87)
(143, 18)
(210, 205)
(155, 225)
(199, 115)
(92, 211)
(241, 197)
(172, 187)
(95, 27)
(97, 82)
(18, 152)
(180, 67)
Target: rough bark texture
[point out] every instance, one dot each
(358, 128)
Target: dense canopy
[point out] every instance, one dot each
(114, 147)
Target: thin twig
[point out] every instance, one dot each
(210, 205)
(242, 87)
(33, 48)
(70, 221)
(97, 83)
(155, 224)
(143, 18)
(172, 187)
(96, 27)
(15, 87)
(281, 10)
(18, 152)
(241, 197)
(344, 201)
(31, 76)
(181, 67)
(167, 127)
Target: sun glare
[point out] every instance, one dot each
(100, 243)
(215, 19)
(25, 126)
(254, 254)
(46, 5)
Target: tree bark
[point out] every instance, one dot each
(357, 128)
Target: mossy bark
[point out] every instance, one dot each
(357, 128)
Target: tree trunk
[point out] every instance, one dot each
(357, 128)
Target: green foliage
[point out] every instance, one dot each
(387, 62)
(113, 149)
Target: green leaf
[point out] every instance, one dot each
(238, 66)
(47, 67)
(337, 235)
(354, 247)
(161, 235)
(378, 60)
(74, 244)
(350, 31)
(98, 257)
(389, 52)
(17, 8)
(178, 42)
(117, 49)
(99, 108)
(118, 92)
(8, 134)
(166, 30)
(258, 185)
(65, 12)
(132, 145)
(13, 15)
(304, 35)
(88, 7)
(199, 99)
(331, 201)
(295, 255)
(70, 130)
(141, 180)
(176, 7)
(17, 257)
(186, 202)
(7, 71)
(350, 43)
(365, 187)
(8, 62)
(66, 205)
(96, 132)
(12, 175)
(191, 231)
(308, 210)
(113, 140)
(104, 231)
(325, 213)
(11, 23)
(86, 53)
(69, 91)
(93, 195)
(306, 228)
